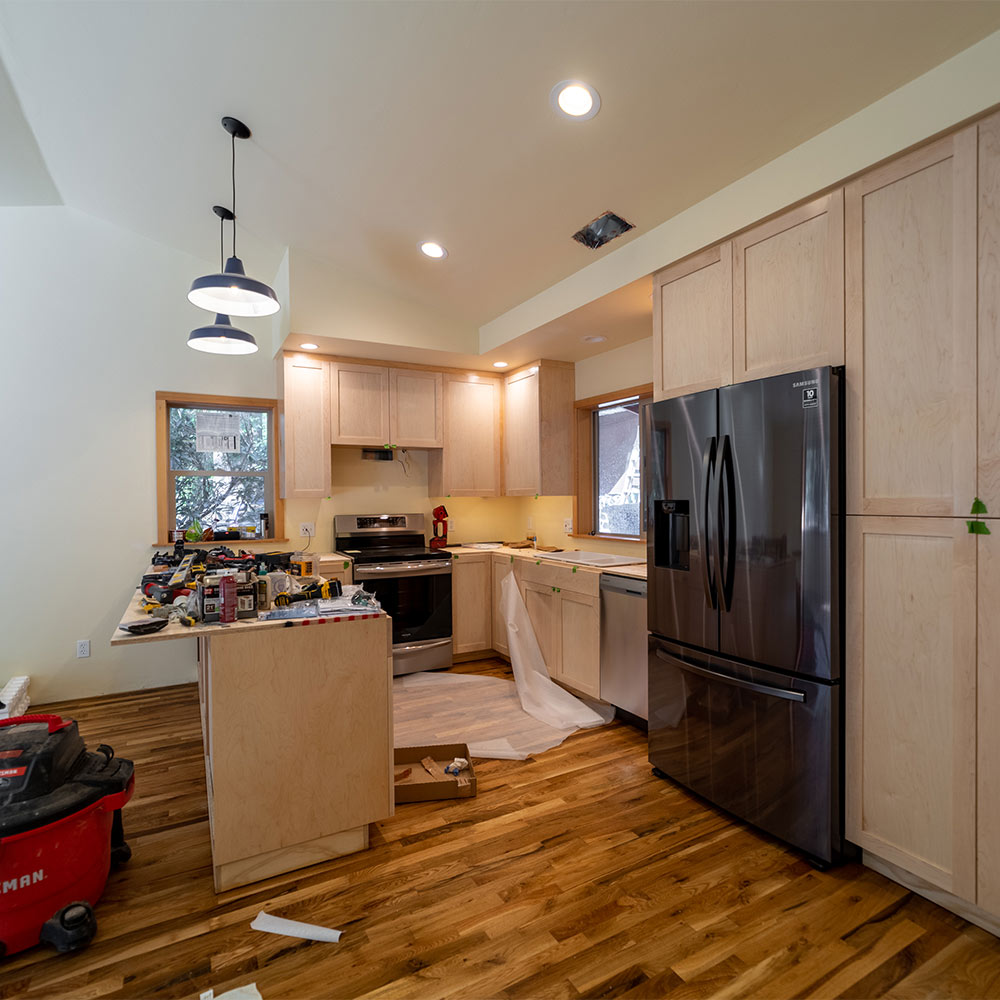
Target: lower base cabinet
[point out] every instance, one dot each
(501, 566)
(471, 602)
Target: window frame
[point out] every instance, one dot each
(584, 466)
(164, 477)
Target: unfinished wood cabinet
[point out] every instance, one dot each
(693, 323)
(538, 430)
(788, 291)
(579, 625)
(543, 612)
(502, 564)
(910, 232)
(468, 464)
(910, 688)
(416, 408)
(472, 602)
(305, 433)
(359, 404)
(334, 567)
(988, 696)
(988, 488)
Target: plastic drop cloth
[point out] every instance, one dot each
(495, 717)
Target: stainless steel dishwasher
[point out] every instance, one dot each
(623, 644)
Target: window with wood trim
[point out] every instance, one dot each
(608, 464)
(217, 464)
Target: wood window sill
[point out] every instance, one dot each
(610, 538)
(223, 541)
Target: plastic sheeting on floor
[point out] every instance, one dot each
(495, 717)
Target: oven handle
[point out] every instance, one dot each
(431, 567)
(772, 692)
(433, 644)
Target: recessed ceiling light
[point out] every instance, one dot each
(309, 347)
(431, 249)
(575, 99)
(499, 364)
(595, 340)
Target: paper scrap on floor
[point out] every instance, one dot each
(494, 716)
(294, 928)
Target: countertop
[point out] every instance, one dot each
(635, 570)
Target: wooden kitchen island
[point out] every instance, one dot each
(296, 718)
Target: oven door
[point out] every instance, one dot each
(416, 595)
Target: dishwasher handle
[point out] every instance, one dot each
(623, 585)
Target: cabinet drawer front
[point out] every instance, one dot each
(584, 581)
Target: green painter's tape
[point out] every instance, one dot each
(347, 565)
(511, 558)
(978, 528)
(538, 562)
(978, 507)
(574, 569)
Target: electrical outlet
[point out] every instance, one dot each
(307, 529)
(451, 525)
(82, 647)
(531, 523)
(568, 525)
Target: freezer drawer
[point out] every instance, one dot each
(761, 745)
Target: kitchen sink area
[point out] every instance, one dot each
(601, 560)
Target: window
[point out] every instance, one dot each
(608, 467)
(217, 458)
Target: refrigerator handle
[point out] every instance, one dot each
(725, 533)
(707, 535)
(787, 694)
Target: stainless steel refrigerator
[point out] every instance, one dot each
(744, 510)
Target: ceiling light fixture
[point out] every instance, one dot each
(575, 99)
(231, 292)
(309, 347)
(431, 249)
(222, 338)
(499, 364)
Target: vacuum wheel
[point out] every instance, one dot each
(120, 854)
(70, 928)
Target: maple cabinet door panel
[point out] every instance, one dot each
(502, 565)
(471, 607)
(359, 404)
(580, 642)
(416, 405)
(788, 291)
(522, 442)
(910, 685)
(989, 313)
(543, 611)
(693, 323)
(988, 697)
(911, 333)
(468, 465)
(305, 453)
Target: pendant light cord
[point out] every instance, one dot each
(233, 137)
(222, 245)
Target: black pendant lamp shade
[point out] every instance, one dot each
(222, 338)
(231, 292)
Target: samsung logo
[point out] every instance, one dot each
(809, 381)
(10, 884)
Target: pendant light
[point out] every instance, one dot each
(221, 337)
(231, 292)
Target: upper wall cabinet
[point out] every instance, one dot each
(538, 430)
(989, 315)
(693, 324)
(788, 291)
(305, 449)
(375, 406)
(468, 465)
(911, 332)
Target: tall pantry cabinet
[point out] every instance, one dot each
(923, 439)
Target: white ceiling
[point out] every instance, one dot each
(378, 124)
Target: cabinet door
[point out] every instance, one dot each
(580, 642)
(693, 323)
(359, 404)
(911, 332)
(788, 291)
(988, 697)
(542, 606)
(469, 463)
(502, 565)
(305, 450)
(910, 686)
(416, 403)
(989, 314)
(471, 606)
(521, 439)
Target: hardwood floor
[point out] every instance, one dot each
(577, 874)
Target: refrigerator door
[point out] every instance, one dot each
(777, 539)
(681, 455)
(760, 745)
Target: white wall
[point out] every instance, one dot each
(94, 321)
(622, 368)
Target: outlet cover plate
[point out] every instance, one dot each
(568, 525)
(307, 529)
(82, 648)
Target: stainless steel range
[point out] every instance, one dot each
(411, 581)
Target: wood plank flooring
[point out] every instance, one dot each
(576, 874)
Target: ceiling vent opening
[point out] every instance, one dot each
(602, 230)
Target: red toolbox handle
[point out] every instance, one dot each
(55, 722)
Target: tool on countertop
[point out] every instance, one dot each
(440, 521)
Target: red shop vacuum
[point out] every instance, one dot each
(60, 831)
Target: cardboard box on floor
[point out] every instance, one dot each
(419, 786)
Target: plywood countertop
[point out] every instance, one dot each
(636, 570)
